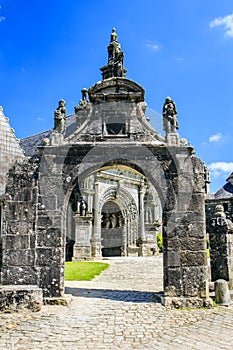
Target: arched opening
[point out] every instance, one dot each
(123, 215)
(112, 227)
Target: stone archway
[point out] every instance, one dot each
(185, 267)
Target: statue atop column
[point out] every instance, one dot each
(170, 123)
(60, 117)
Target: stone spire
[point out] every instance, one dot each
(115, 66)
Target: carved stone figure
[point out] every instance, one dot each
(219, 211)
(84, 94)
(120, 220)
(82, 208)
(60, 117)
(113, 219)
(84, 102)
(115, 66)
(170, 123)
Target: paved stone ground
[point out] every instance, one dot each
(118, 310)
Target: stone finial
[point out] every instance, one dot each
(114, 36)
(115, 66)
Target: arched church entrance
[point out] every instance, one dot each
(122, 215)
(112, 230)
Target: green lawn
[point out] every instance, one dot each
(83, 271)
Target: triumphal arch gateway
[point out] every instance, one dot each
(103, 182)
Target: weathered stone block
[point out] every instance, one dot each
(19, 275)
(173, 259)
(48, 256)
(191, 258)
(222, 293)
(20, 257)
(49, 238)
(14, 298)
(172, 281)
(51, 281)
(16, 242)
(195, 280)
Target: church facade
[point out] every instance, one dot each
(103, 182)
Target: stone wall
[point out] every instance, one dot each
(10, 150)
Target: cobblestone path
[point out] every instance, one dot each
(118, 310)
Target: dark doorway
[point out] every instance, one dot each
(112, 229)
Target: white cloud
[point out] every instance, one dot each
(178, 58)
(39, 119)
(220, 168)
(215, 138)
(152, 46)
(2, 19)
(226, 22)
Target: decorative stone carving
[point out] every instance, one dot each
(221, 246)
(82, 207)
(170, 116)
(60, 117)
(84, 102)
(115, 66)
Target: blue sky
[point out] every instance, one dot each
(52, 49)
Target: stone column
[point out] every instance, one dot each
(141, 212)
(83, 230)
(221, 247)
(144, 246)
(96, 238)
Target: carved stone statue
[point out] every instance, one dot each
(82, 208)
(84, 92)
(113, 219)
(170, 123)
(60, 117)
(219, 211)
(84, 102)
(115, 66)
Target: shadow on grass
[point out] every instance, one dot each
(117, 295)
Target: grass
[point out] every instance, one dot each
(83, 271)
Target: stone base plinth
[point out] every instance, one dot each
(133, 251)
(14, 298)
(96, 247)
(64, 301)
(173, 139)
(147, 249)
(81, 252)
(183, 302)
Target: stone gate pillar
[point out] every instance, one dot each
(221, 247)
(96, 237)
(184, 236)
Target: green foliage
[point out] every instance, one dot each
(160, 242)
(208, 252)
(83, 271)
